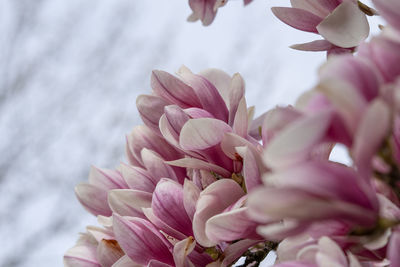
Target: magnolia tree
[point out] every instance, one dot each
(205, 183)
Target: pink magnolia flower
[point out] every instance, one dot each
(210, 94)
(142, 242)
(383, 52)
(197, 130)
(292, 202)
(342, 24)
(93, 195)
(97, 247)
(353, 88)
(147, 153)
(311, 193)
(324, 252)
(194, 113)
(362, 92)
(169, 221)
(221, 215)
(143, 137)
(205, 10)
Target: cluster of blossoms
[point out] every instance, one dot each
(206, 183)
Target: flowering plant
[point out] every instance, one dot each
(206, 183)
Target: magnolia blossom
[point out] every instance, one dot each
(342, 24)
(189, 169)
(307, 198)
(205, 183)
(96, 247)
(205, 10)
(322, 252)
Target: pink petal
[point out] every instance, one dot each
(297, 18)
(321, 8)
(108, 252)
(229, 143)
(191, 194)
(276, 119)
(221, 80)
(294, 143)
(278, 204)
(387, 209)
(93, 199)
(312, 101)
(325, 179)
(202, 10)
(162, 226)
(240, 123)
(230, 226)
(203, 178)
(329, 251)
(132, 158)
(106, 179)
(81, 256)
(384, 53)
(317, 45)
(219, 3)
(236, 93)
(138, 178)
(396, 137)
(393, 249)
(167, 205)
(346, 99)
(172, 137)
(213, 200)
(208, 95)
(255, 128)
(168, 132)
(140, 240)
(357, 72)
(369, 136)
(173, 90)
(353, 260)
(282, 229)
(156, 166)
(197, 113)
(143, 137)
(202, 133)
(251, 170)
(127, 202)
(125, 261)
(347, 26)
(176, 117)
(182, 249)
(295, 264)
(150, 109)
(199, 258)
(236, 250)
(289, 247)
(199, 164)
(99, 233)
(156, 263)
(171, 130)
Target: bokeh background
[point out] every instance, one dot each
(70, 72)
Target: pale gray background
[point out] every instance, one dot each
(70, 72)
